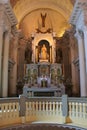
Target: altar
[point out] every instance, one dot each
(43, 74)
(43, 92)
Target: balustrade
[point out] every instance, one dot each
(78, 110)
(42, 109)
(9, 111)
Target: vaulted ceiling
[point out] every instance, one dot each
(28, 13)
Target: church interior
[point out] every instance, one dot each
(43, 63)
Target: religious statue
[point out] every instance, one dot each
(43, 54)
(43, 19)
(28, 55)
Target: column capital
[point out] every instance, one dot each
(79, 34)
(84, 28)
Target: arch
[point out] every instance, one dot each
(46, 37)
(27, 7)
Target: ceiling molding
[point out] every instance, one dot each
(9, 12)
(22, 8)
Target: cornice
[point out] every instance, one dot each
(80, 5)
(9, 12)
(76, 12)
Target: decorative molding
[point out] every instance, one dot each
(9, 12)
(80, 5)
(49, 30)
(79, 34)
(76, 62)
(10, 64)
(76, 12)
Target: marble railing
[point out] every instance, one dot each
(43, 109)
(77, 110)
(9, 111)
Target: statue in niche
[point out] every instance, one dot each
(44, 54)
(59, 55)
(28, 55)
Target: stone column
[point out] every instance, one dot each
(5, 65)
(81, 64)
(13, 81)
(85, 44)
(85, 48)
(1, 44)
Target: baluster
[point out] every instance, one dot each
(70, 109)
(30, 109)
(39, 106)
(47, 108)
(6, 110)
(80, 109)
(33, 106)
(50, 107)
(13, 109)
(10, 113)
(73, 110)
(2, 107)
(60, 108)
(30, 106)
(36, 108)
(57, 108)
(43, 107)
(84, 110)
(77, 109)
(53, 107)
(0, 111)
(4, 114)
(27, 111)
(17, 109)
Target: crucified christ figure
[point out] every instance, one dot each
(43, 19)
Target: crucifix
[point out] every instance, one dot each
(43, 19)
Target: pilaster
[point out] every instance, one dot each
(1, 46)
(85, 49)
(79, 37)
(1, 43)
(13, 80)
(5, 64)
